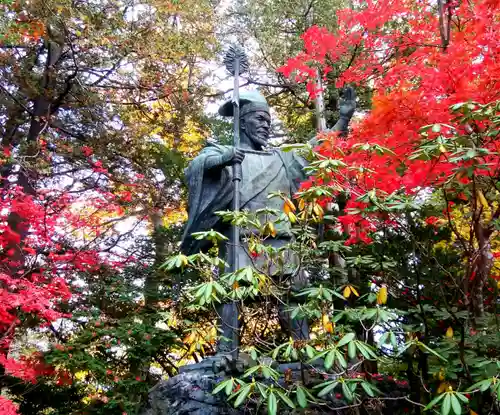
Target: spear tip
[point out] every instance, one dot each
(236, 53)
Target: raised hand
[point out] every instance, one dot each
(348, 103)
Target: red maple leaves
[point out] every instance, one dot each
(398, 49)
(39, 255)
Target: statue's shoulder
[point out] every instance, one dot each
(293, 162)
(212, 147)
(287, 156)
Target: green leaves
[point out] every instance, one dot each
(346, 339)
(272, 404)
(242, 394)
(301, 397)
(200, 259)
(269, 394)
(320, 293)
(388, 337)
(446, 406)
(450, 402)
(372, 148)
(206, 293)
(227, 386)
(348, 388)
(176, 261)
(455, 405)
(324, 164)
(347, 392)
(326, 388)
(485, 384)
(285, 399)
(423, 347)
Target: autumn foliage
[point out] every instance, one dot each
(434, 71)
(417, 73)
(92, 199)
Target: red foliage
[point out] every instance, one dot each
(36, 262)
(7, 407)
(417, 73)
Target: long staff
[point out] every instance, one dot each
(236, 63)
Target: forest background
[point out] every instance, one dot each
(102, 106)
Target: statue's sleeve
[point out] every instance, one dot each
(210, 190)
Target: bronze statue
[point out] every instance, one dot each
(264, 170)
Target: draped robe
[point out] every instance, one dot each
(211, 190)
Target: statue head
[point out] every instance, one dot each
(255, 119)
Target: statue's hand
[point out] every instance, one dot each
(232, 156)
(348, 103)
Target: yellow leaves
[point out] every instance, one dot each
(289, 209)
(443, 387)
(191, 337)
(307, 210)
(289, 206)
(172, 216)
(498, 284)
(264, 284)
(264, 281)
(81, 375)
(473, 412)
(318, 210)
(183, 259)
(269, 229)
(292, 217)
(440, 374)
(197, 339)
(348, 290)
(410, 336)
(302, 204)
(212, 335)
(163, 121)
(327, 324)
(482, 199)
(449, 332)
(461, 217)
(382, 295)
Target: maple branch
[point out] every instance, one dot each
(222, 93)
(444, 11)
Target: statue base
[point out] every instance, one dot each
(190, 392)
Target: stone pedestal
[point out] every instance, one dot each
(187, 393)
(190, 392)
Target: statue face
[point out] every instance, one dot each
(257, 126)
